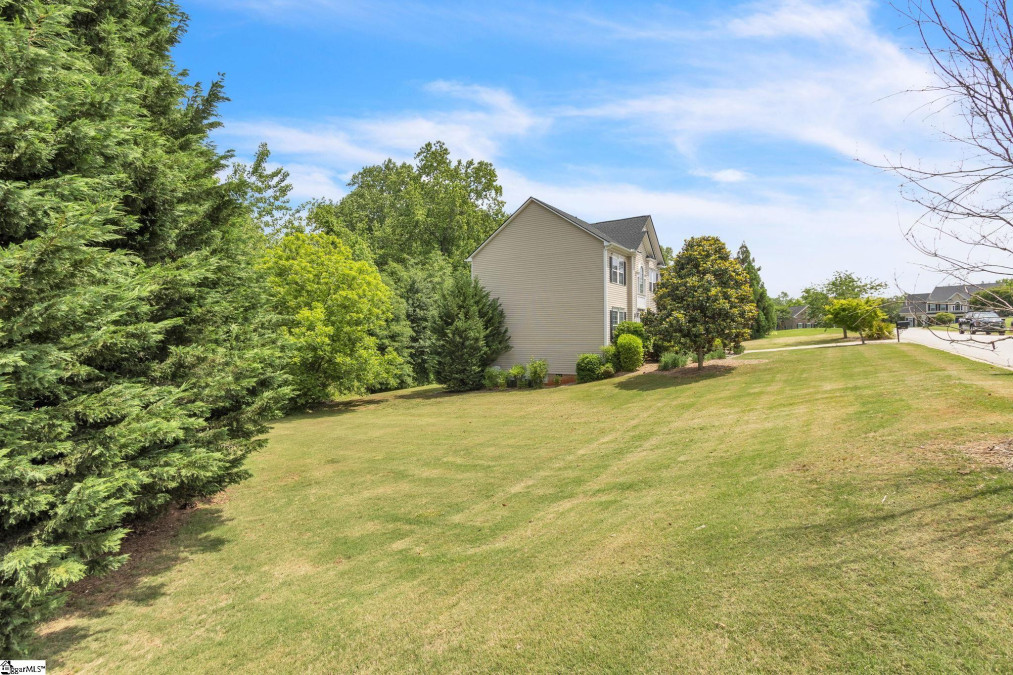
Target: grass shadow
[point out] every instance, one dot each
(154, 548)
(954, 526)
(655, 380)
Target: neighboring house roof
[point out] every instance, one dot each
(626, 233)
(944, 293)
(795, 311)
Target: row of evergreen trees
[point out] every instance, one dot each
(160, 303)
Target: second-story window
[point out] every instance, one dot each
(653, 283)
(640, 280)
(618, 270)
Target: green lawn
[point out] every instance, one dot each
(805, 511)
(799, 337)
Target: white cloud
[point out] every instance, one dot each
(797, 240)
(723, 175)
(814, 78)
(475, 131)
(803, 19)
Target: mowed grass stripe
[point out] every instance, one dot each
(779, 516)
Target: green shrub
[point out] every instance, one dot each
(880, 330)
(610, 354)
(631, 352)
(944, 318)
(629, 328)
(739, 349)
(495, 377)
(538, 370)
(718, 353)
(517, 374)
(634, 328)
(670, 360)
(589, 367)
(607, 371)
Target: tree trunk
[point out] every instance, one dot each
(699, 358)
(862, 335)
(845, 333)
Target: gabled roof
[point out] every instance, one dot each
(626, 233)
(795, 311)
(944, 293)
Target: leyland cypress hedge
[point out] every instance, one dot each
(136, 367)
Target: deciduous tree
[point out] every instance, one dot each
(334, 310)
(436, 205)
(842, 285)
(860, 315)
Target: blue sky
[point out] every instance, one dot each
(744, 120)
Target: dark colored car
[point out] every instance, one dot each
(982, 322)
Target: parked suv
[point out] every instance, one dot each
(982, 322)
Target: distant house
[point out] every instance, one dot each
(921, 308)
(798, 317)
(565, 283)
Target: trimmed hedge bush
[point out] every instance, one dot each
(945, 318)
(607, 371)
(589, 367)
(631, 352)
(518, 373)
(670, 360)
(538, 370)
(634, 328)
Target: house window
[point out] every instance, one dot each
(956, 307)
(653, 284)
(640, 280)
(617, 273)
(616, 316)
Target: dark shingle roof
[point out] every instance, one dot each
(944, 293)
(627, 232)
(795, 311)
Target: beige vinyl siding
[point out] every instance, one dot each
(619, 296)
(549, 276)
(648, 266)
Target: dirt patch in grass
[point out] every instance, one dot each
(992, 453)
(153, 547)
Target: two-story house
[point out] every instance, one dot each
(921, 308)
(565, 283)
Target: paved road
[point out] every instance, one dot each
(988, 348)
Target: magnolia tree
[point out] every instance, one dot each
(704, 295)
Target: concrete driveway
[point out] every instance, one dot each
(993, 349)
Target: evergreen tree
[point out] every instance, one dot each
(418, 284)
(766, 312)
(464, 305)
(136, 365)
